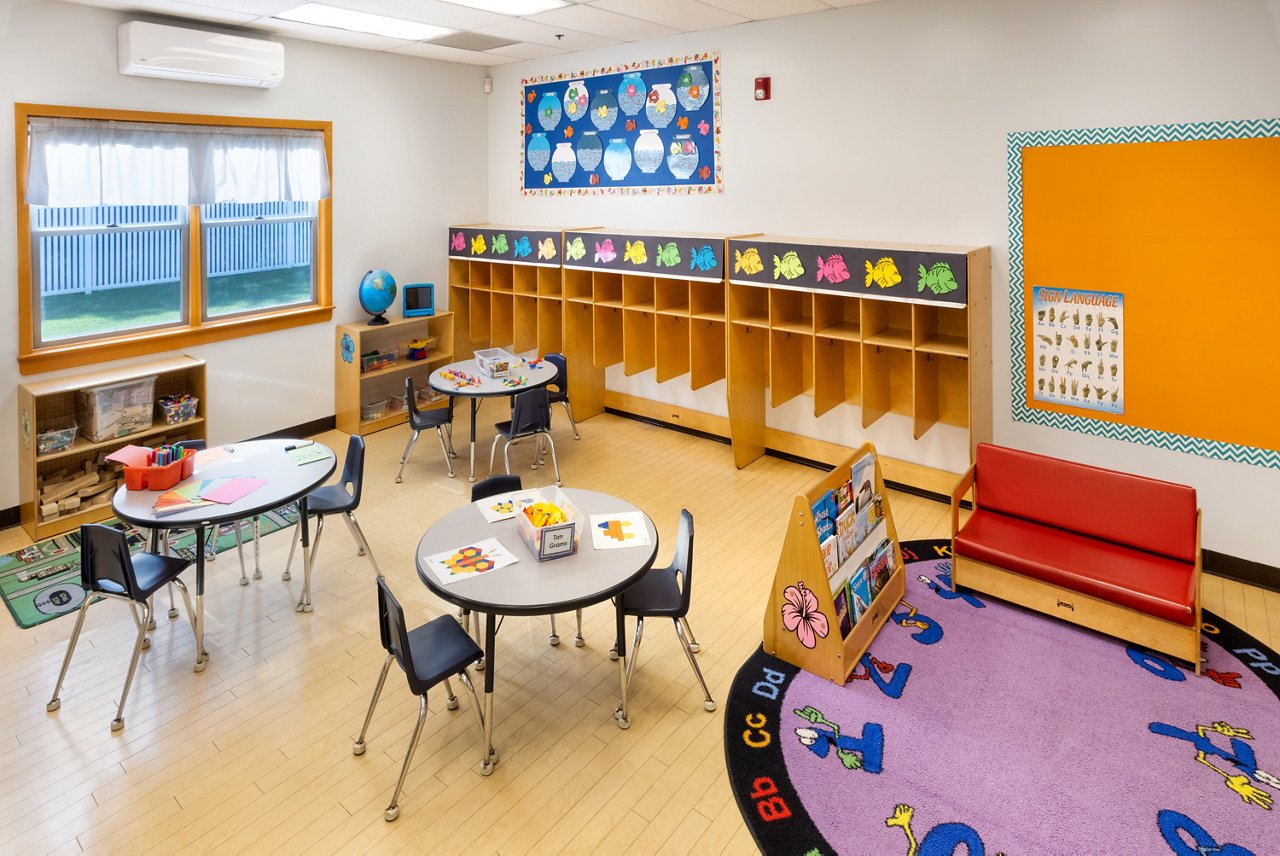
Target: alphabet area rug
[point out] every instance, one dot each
(41, 582)
(970, 721)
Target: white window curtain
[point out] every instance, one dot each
(88, 162)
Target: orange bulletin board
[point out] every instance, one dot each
(1188, 229)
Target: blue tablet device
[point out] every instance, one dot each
(419, 299)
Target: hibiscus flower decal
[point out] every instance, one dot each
(800, 615)
(348, 348)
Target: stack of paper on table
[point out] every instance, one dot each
(470, 561)
(624, 529)
(504, 506)
(181, 498)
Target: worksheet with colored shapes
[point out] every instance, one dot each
(613, 531)
(504, 506)
(470, 561)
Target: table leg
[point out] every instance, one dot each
(304, 599)
(490, 635)
(475, 405)
(620, 714)
(202, 656)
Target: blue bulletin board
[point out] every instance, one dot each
(644, 127)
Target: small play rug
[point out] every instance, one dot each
(974, 723)
(42, 581)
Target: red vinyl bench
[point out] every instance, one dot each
(1111, 551)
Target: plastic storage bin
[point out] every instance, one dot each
(176, 409)
(55, 440)
(494, 362)
(159, 478)
(116, 410)
(557, 539)
(373, 410)
(378, 360)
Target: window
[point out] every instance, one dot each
(146, 232)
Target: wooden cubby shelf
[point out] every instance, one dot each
(354, 388)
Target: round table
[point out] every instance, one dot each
(530, 587)
(262, 459)
(530, 375)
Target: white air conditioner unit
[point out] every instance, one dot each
(154, 50)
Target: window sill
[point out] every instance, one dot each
(169, 339)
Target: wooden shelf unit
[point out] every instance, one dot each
(354, 388)
(899, 349)
(45, 405)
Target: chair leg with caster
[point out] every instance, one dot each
(393, 810)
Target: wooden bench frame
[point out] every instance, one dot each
(1122, 622)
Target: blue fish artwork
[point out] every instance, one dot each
(522, 247)
(702, 258)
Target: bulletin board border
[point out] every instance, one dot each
(1199, 446)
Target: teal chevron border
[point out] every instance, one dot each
(1017, 331)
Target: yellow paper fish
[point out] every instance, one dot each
(748, 262)
(477, 245)
(636, 253)
(884, 273)
(547, 248)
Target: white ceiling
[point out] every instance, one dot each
(581, 25)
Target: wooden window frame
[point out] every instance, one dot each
(196, 330)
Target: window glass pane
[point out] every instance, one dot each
(105, 270)
(258, 256)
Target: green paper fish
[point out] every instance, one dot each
(667, 255)
(939, 279)
(575, 249)
(499, 243)
(788, 266)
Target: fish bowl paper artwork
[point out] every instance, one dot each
(636, 128)
(1077, 348)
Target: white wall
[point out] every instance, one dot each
(908, 103)
(409, 137)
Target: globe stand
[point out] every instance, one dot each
(378, 320)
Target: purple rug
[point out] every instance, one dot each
(974, 727)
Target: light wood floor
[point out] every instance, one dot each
(254, 754)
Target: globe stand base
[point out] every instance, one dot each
(378, 320)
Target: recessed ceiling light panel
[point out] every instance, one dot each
(362, 22)
(512, 7)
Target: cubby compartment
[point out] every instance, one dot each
(791, 311)
(749, 304)
(501, 277)
(748, 372)
(886, 323)
(606, 288)
(550, 327)
(501, 320)
(837, 373)
(478, 274)
(886, 382)
(460, 306)
(577, 284)
(524, 279)
(672, 296)
(672, 346)
(459, 272)
(637, 292)
(941, 330)
(706, 300)
(706, 352)
(638, 346)
(525, 324)
(941, 390)
(790, 365)
(478, 322)
(837, 317)
(549, 280)
(607, 335)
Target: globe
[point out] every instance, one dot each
(377, 292)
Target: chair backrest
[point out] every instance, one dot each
(353, 469)
(105, 565)
(531, 412)
(411, 401)
(682, 561)
(494, 485)
(561, 392)
(395, 635)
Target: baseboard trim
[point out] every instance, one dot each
(305, 429)
(1241, 570)
(10, 517)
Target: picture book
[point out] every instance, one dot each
(504, 506)
(623, 529)
(844, 496)
(862, 476)
(881, 567)
(470, 561)
(845, 530)
(843, 618)
(824, 515)
(830, 558)
(859, 592)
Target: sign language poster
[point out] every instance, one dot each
(645, 127)
(1078, 348)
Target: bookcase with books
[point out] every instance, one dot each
(840, 572)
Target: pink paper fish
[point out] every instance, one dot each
(459, 242)
(703, 127)
(605, 251)
(834, 268)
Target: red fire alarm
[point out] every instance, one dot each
(762, 88)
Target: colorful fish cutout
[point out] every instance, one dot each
(788, 266)
(531, 95)
(938, 278)
(682, 123)
(704, 128)
(477, 245)
(703, 258)
(459, 242)
(704, 173)
(498, 243)
(668, 255)
(833, 268)
(568, 131)
(636, 253)
(631, 124)
(546, 178)
(883, 273)
(747, 262)
(605, 251)
(522, 247)
(595, 179)
(547, 248)
(574, 250)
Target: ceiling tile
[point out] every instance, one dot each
(249, 7)
(192, 11)
(430, 51)
(329, 35)
(758, 10)
(687, 15)
(424, 11)
(839, 3)
(589, 19)
(471, 41)
(526, 50)
(543, 34)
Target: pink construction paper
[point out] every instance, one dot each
(130, 456)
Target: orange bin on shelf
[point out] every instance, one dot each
(160, 478)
